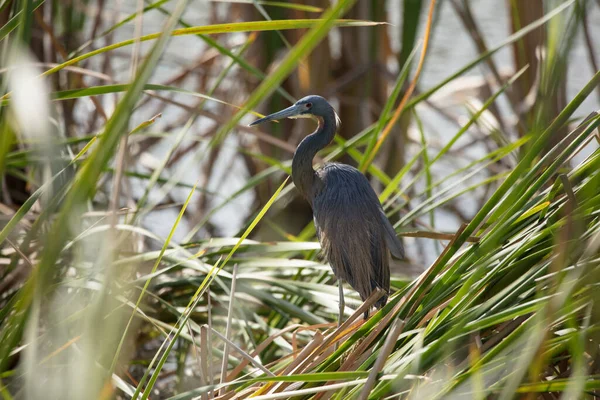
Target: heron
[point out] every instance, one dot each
(355, 234)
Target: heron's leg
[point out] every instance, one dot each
(342, 304)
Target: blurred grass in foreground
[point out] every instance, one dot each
(96, 303)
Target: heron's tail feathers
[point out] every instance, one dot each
(359, 257)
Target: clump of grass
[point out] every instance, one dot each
(99, 300)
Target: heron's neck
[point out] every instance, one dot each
(303, 174)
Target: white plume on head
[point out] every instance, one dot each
(338, 121)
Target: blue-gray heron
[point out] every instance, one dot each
(353, 230)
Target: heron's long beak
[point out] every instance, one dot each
(289, 112)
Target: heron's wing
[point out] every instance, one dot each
(393, 243)
(352, 234)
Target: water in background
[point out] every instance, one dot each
(450, 49)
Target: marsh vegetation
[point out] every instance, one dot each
(152, 245)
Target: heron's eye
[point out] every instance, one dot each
(308, 105)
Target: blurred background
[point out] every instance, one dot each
(141, 198)
(355, 69)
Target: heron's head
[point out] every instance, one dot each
(312, 106)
